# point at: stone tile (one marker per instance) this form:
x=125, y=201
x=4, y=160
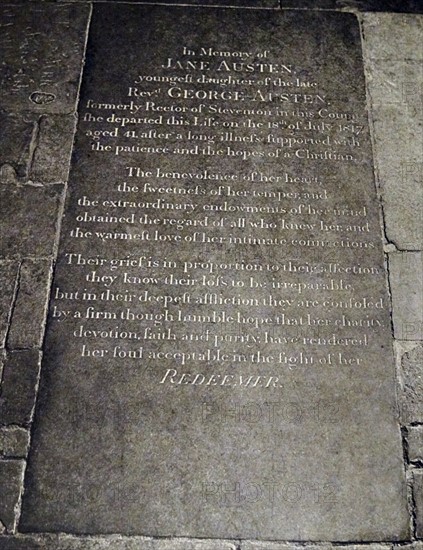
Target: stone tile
x=395, y=89
x=20, y=378
x=8, y=280
x=53, y=149
x=223, y=3
x=391, y=36
x=29, y=219
x=411, y=386
x=65, y=542
x=16, y=139
x=398, y=145
x=406, y=280
x=21, y=543
x=412, y=6
x=415, y=443
x=28, y=319
x=396, y=82
x=14, y=442
x=416, y=545
x=263, y=545
x=418, y=500
x=35, y=148
x=44, y=46
x=11, y=482
x=2, y=362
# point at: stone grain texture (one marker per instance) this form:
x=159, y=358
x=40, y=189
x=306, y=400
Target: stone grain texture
x=63, y=542
x=35, y=148
x=8, y=280
x=411, y=386
x=106, y=435
x=29, y=217
x=392, y=37
x=11, y=478
x=43, y=45
x=415, y=444
x=260, y=545
x=20, y=376
x=413, y=6
x=14, y=442
x=27, y=322
x=406, y=280
x=418, y=500
x=51, y=158
x=394, y=56
x=207, y=3
x=17, y=144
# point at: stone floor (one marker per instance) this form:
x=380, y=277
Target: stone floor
x=43, y=44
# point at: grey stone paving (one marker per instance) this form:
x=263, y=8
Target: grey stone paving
x=30, y=307
x=44, y=43
x=14, y=442
x=394, y=55
x=19, y=384
x=411, y=385
x=406, y=281
x=415, y=444
x=8, y=281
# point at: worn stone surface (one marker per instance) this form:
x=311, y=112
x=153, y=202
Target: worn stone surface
x=35, y=148
x=391, y=36
x=29, y=219
x=398, y=146
x=20, y=376
x=53, y=151
x=28, y=319
x=11, y=478
x=412, y=6
x=261, y=545
x=64, y=542
x=8, y=280
x=14, y=442
x=2, y=360
x=418, y=500
x=415, y=443
x=411, y=386
x=393, y=55
x=110, y=422
x=223, y=3
x=406, y=280
x=17, y=138
x=48, y=32
x=396, y=82
x=395, y=92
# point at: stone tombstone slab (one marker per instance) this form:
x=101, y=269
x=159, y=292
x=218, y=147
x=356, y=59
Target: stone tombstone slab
x=218, y=357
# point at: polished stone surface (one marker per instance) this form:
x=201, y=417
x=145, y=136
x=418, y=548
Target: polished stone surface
x=219, y=400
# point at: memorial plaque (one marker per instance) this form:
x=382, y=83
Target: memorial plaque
x=218, y=357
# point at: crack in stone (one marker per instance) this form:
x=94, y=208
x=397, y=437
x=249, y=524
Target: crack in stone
x=13, y=303
x=405, y=447
x=412, y=506
x=34, y=143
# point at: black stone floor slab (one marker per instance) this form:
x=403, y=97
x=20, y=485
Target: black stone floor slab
x=394, y=6
x=218, y=360
x=220, y=3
